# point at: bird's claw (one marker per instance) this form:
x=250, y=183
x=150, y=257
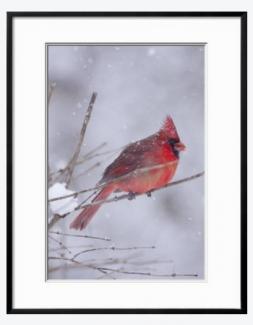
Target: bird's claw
x=131, y=195
x=149, y=193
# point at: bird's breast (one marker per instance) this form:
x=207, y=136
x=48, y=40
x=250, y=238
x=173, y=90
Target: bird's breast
x=149, y=179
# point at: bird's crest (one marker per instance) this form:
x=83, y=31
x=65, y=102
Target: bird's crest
x=169, y=128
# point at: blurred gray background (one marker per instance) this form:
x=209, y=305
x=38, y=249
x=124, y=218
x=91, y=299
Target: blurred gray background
x=137, y=87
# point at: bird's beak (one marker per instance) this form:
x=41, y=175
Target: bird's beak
x=180, y=146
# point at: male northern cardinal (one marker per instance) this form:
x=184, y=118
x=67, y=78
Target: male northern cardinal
x=135, y=171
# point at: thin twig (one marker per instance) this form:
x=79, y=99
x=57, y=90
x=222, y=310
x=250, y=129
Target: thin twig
x=104, y=270
x=83, y=159
x=107, y=274
x=91, y=153
x=171, y=275
x=63, y=258
x=97, y=164
x=80, y=236
x=112, y=261
x=60, y=243
x=86, y=200
x=113, y=248
x=73, y=160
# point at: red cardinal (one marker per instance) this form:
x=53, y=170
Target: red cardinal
x=135, y=170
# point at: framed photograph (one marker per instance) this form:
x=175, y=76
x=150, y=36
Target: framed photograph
x=127, y=162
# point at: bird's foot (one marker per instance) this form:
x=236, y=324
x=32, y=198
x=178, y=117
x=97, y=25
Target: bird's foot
x=149, y=193
x=131, y=195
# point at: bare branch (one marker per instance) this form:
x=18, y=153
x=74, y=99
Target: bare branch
x=63, y=259
x=104, y=270
x=71, y=165
x=91, y=153
x=87, y=156
x=107, y=274
x=80, y=236
x=171, y=275
x=113, y=248
x=86, y=200
x=60, y=243
x=56, y=249
x=97, y=164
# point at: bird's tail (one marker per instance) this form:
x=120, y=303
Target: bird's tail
x=81, y=221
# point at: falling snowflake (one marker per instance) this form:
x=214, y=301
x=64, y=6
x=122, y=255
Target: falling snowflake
x=151, y=51
x=60, y=164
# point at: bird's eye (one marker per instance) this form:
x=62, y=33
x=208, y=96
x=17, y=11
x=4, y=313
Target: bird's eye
x=172, y=143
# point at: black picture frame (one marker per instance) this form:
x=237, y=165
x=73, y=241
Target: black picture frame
x=9, y=288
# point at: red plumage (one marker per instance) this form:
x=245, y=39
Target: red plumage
x=134, y=169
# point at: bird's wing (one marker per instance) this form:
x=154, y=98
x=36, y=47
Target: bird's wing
x=131, y=158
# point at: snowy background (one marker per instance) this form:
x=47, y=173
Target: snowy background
x=137, y=87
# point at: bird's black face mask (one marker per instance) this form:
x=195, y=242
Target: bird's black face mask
x=172, y=143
